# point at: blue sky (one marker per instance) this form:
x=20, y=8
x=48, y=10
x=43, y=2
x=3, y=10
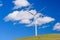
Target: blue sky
x=8, y=31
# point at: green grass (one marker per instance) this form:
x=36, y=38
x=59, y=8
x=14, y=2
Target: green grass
x=43, y=37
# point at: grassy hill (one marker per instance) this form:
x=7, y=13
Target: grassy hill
x=43, y=37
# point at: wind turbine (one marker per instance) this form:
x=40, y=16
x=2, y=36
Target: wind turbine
x=35, y=17
x=36, y=28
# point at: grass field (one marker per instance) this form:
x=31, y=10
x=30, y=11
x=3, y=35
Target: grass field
x=43, y=37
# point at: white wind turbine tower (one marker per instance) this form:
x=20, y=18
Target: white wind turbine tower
x=34, y=19
x=35, y=26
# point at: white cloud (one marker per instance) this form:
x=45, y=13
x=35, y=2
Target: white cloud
x=25, y=17
x=18, y=15
x=20, y=3
x=25, y=21
x=42, y=20
x=22, y=16
x=57, y=27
